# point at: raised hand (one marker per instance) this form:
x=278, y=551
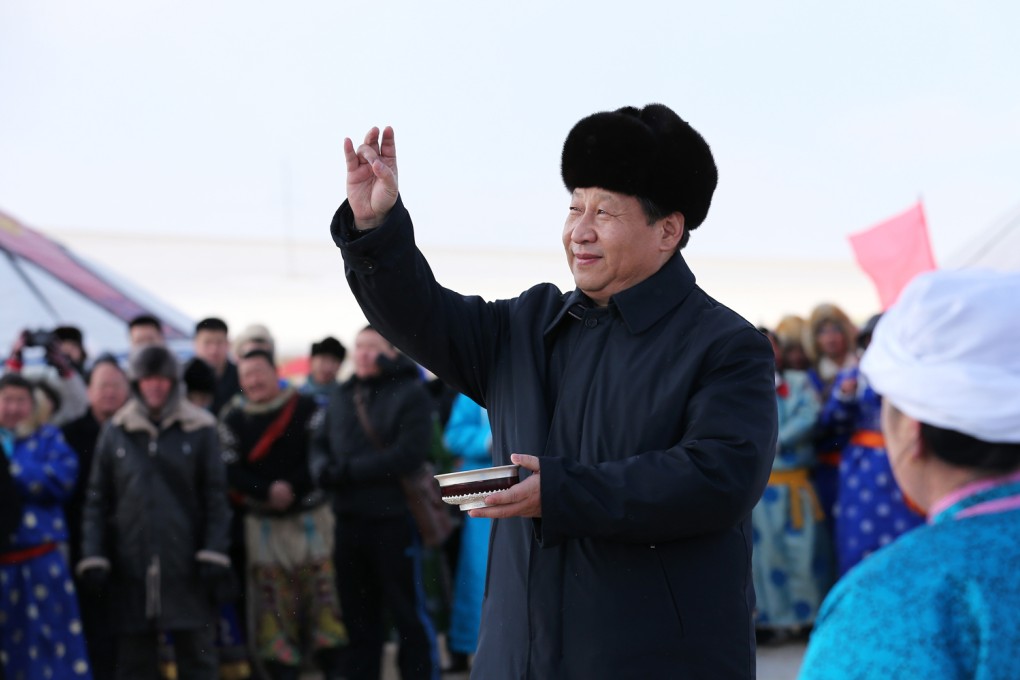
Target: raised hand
x=371, y=177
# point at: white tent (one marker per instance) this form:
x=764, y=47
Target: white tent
x=43, y=285
x=997, y=247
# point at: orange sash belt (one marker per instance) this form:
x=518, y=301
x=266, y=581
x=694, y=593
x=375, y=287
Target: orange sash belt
x=830, y=458
x=868, y=438
x=19, y=556
x=797, y=481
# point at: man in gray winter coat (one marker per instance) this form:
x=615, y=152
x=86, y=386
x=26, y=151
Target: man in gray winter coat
x=156, y=523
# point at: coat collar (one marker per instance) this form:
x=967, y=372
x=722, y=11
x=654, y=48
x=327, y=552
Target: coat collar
x=642, y=305
x=134, y=417
x=274, y=404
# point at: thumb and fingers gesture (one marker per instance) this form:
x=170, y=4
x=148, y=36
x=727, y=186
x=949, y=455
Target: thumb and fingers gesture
x=372, y=177
x=521, y=500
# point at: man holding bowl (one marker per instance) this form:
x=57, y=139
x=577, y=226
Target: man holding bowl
x=643, y=410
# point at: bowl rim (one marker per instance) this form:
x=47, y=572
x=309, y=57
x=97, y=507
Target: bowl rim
x=477, y=475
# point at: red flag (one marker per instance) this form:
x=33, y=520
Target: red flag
x=893, y=252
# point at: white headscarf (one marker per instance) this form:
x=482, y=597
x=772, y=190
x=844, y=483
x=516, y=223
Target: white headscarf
x=948, y=353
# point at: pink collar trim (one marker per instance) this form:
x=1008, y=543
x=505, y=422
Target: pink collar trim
x=991, y=507
x=968, y=490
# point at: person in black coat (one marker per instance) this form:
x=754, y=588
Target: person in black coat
x=212, y=346
x=378, y=428
x=641, y=410
x=289, y=527
x=156, y=523
x=108, y=390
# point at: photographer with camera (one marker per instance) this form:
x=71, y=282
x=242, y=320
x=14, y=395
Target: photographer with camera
x=58, y=372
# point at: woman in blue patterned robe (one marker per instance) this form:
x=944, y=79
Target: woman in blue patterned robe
x=870, y=508
x=790, y=563
x=40, y=627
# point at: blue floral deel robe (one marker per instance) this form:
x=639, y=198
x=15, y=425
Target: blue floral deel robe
x=870, y=509
x=791, y=564
x=40, y=626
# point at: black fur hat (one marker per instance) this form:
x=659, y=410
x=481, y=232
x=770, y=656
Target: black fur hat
x=331, y=346
x=153, y=360
x=649, y=153
x=70, y=333
x=199, y=376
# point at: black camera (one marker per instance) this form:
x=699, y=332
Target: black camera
x=38, y=338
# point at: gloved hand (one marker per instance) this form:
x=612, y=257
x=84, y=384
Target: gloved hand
x=14, y=360
x=58, y=360
x=219, y=581
x=94, y=580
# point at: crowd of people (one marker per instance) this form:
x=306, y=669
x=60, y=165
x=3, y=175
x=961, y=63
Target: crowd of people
x=208, y=519
x=831, y=498
x=688, y=482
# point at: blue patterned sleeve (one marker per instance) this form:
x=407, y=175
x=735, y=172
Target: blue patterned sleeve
x=47, y=469
x=840, y=413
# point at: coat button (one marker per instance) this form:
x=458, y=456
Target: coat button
x=591, y=322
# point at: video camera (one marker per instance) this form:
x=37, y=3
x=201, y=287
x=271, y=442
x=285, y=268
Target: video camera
x=38, y=338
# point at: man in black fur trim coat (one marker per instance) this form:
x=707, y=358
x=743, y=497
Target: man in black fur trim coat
x=156, y=523
x=642, y=411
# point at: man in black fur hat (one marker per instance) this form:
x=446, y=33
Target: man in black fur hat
x=324, y=363
x=642, y=411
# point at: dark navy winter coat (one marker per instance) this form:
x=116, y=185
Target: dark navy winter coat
x=655, y=421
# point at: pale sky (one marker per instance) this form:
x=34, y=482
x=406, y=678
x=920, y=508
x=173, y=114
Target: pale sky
x=227, y=118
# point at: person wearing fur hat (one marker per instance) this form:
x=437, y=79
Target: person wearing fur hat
x=254, y=336
x=199, y=383
x=72, y=345
x=870, y=509
x=943, y=600
x=641, y=411
x=829, y=341
x=327, y=356
x=155, y=531
x=790, y=335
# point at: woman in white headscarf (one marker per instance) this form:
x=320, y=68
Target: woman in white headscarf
x=942, y=601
